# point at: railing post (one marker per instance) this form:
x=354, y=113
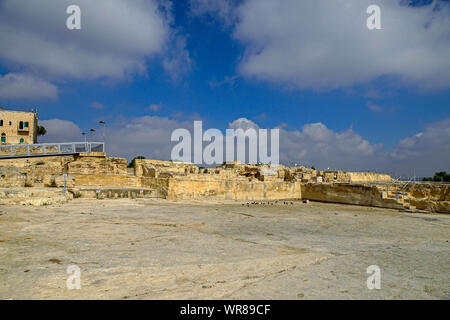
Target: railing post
x=59, y=148
x=43, y=148
x=28, y=149
x=12, y=152
x=73, y=147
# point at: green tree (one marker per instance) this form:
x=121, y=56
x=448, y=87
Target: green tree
x=441, y=176
x=131, y=164
x=41, y=131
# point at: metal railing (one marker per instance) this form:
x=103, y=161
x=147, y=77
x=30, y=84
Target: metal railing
x=49, y=149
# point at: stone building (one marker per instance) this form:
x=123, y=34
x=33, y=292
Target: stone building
x=18, y=127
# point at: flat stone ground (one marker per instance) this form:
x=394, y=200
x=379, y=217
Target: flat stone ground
x=159, y=249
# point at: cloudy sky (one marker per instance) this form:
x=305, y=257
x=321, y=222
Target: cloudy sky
x=343, y=96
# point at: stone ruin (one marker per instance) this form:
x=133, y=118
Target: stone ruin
x=96, y=176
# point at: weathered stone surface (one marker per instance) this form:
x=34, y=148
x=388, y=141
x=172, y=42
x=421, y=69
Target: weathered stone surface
x=33, y=196
x=163, y=249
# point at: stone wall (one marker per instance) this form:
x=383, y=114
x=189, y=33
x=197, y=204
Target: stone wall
x=87, y=164
x=231, y=181
x=32, y=172
x=356, y=194
x=220, y=187
x=428, y=197
x=157, y=168
x=354, y=177
x=82, y=170
x=369, y=177
x=434, y=197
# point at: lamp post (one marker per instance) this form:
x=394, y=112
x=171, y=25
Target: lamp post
x=103, y=124
x=92, y=131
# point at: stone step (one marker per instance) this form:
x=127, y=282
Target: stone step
x=33, y=196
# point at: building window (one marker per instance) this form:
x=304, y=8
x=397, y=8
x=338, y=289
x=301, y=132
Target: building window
x=26, y=124
x=10, y=123
x=20, y=125
x=21, y=140
x=3, y=140
x=1, y=123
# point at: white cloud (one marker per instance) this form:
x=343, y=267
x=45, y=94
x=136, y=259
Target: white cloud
x=178, y=62
x=97, y=105
x=226, y=81
x=375, y=107
x=148, y=136
x=20, y=86
x=425, y=152
x=243, y=123
x=325, y=45
x=116, y=39
x=315, y=144
x=222, y=8
x=60, y=131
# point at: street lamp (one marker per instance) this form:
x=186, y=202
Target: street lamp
x=92, y=131
x=103, y=124
x=84, y=135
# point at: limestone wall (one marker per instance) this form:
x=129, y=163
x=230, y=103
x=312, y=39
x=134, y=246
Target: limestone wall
x=369, y=177
x=354, y=177
x=174, y=180
x=156, y=168
x=83, y=170
x=86, y=164
x=434, y=197
x=335, y=176
x=106, y=180
x=37, y=172
x=428, y=197
x=356, y=194
x=218, y=187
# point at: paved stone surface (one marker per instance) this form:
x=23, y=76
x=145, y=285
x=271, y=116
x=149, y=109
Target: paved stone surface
x=158, y=249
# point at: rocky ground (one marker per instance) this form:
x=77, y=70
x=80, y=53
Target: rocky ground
x=158, y=249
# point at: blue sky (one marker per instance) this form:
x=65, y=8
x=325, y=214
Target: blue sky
x=218, y=77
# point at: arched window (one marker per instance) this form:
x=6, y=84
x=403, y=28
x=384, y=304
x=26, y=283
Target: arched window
x=3, y=140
